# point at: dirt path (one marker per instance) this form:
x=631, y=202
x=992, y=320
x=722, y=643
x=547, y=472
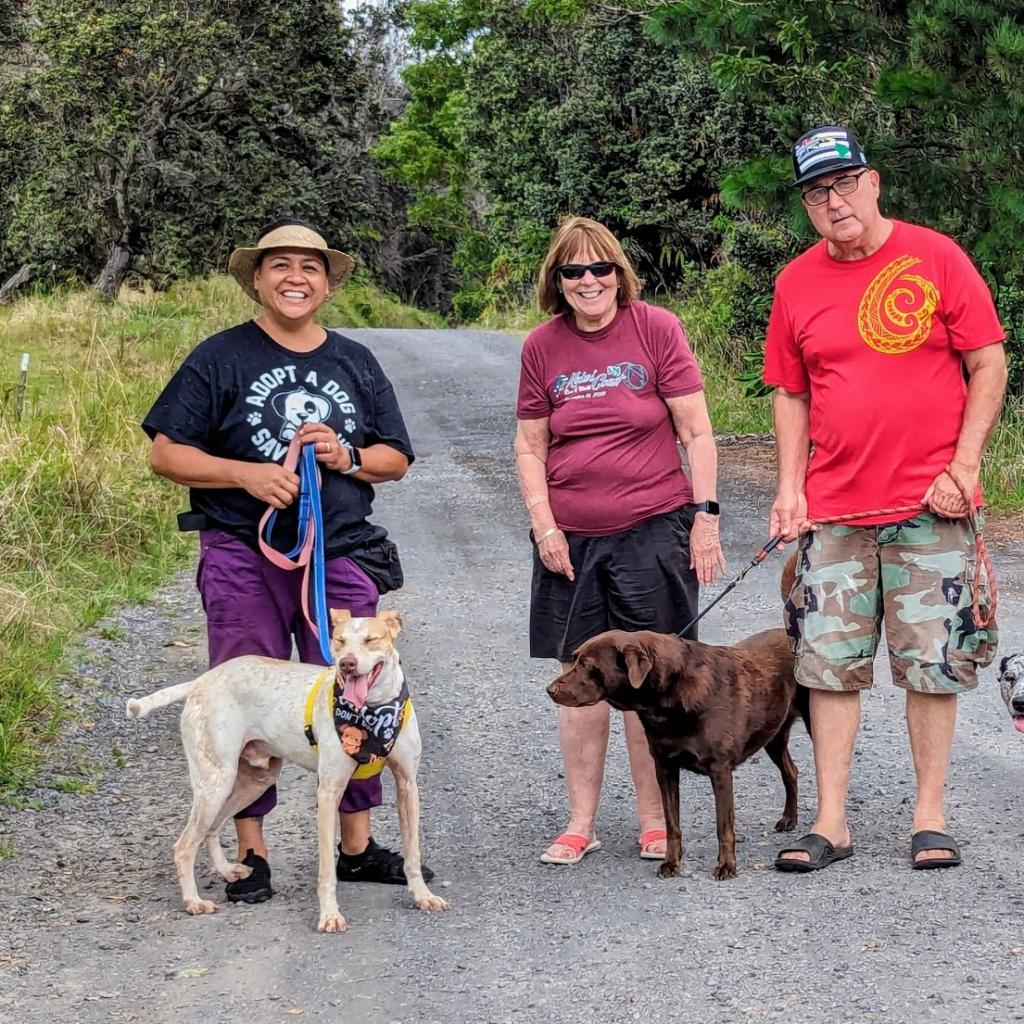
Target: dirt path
x=91, y=930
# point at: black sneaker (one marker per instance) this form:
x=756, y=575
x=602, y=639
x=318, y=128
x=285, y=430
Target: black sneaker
x=255, y=888
x=375, y=864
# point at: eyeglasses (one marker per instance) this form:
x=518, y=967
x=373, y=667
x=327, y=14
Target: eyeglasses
x=843, y=186
x=599, y=268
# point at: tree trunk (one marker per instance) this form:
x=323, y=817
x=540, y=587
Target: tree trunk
x=107, y=285
x=14, y=282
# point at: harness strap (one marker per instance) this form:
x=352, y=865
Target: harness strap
x=314, y=692
x=308, y=552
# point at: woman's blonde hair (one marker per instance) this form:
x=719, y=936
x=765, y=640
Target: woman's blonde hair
x=574, y=235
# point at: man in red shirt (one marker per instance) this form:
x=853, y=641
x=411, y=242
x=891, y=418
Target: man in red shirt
x=870, y=333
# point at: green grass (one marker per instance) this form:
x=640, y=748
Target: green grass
x=80, y=786
x=1003, y=469
x=84, y=525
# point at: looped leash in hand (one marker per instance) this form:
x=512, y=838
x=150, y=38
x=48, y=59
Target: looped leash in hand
x=308, y=552
x=981, y=560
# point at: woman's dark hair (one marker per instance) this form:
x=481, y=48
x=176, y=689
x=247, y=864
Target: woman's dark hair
x=285, y=222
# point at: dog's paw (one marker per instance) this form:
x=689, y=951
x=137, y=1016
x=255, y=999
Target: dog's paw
x=197, y=907
x=668, y=869
x=724, y=871
x=785, y=824
x=235, y=872
x=331, y=922
x=431, y=902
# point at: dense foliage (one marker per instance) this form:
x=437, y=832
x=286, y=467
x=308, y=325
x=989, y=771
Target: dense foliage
x=671, y=121
x=516, y=118
x=933, y=87
x=149, y=136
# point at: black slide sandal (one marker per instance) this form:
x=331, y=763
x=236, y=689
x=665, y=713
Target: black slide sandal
x=818, y=848
x=927, y=839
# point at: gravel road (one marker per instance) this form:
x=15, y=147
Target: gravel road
x=90, y=929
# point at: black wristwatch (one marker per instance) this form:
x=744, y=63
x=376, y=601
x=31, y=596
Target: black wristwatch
x=357, y=462
x=711, y=507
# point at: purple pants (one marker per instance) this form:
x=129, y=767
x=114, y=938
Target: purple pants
x=253, y=607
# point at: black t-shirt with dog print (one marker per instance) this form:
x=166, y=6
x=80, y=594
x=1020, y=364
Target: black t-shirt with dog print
x=240, y=395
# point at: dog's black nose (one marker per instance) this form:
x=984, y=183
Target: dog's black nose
x=1018, y=705
x=347, y=665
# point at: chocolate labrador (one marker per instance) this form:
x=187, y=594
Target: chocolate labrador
x=705, y=709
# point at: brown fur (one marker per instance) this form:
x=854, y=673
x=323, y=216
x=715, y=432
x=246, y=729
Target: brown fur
x=788, y=577
x=705, y=709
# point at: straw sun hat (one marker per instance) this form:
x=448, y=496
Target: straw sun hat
x=242, y=263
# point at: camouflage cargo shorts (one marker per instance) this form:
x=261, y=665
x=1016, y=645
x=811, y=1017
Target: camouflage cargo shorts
x=915, y=577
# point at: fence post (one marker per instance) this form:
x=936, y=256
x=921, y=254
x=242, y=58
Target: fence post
x=19, y=394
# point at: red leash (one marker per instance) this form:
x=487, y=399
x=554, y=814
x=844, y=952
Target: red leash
x=981, y=561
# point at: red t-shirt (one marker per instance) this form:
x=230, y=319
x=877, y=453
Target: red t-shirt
x=612, y=459
x=877, y=344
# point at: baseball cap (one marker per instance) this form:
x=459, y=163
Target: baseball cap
x=830, y=147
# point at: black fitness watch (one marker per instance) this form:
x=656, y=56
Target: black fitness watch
x=357, y=462
x=711, y=507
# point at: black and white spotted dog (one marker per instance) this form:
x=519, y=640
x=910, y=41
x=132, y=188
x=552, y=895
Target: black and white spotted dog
x=1011, y=686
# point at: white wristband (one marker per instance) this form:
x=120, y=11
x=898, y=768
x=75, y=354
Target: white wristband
x=547, y=533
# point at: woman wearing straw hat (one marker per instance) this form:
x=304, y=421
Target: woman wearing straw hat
x=222, y=426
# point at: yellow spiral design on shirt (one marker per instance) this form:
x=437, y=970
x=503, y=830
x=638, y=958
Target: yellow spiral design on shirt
x=895, y=313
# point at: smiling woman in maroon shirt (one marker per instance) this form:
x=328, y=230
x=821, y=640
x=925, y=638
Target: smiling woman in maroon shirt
x=622, y=535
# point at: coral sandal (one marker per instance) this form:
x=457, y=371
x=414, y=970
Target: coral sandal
x=580, y=845
x=648, y=839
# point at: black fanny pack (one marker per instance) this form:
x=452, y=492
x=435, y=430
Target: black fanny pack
x=379, y=560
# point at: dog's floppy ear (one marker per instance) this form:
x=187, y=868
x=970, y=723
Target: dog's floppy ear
x=339, y=616
x=638, y=664
x=1004, y=663
x=393, y=620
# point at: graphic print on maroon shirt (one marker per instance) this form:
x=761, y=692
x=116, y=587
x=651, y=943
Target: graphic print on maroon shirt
x=612, y=460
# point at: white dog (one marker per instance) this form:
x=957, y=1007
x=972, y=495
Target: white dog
x=242, y=719
x=1011, y=686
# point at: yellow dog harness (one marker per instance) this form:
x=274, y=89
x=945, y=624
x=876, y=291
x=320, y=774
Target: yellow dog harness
x=367, y=734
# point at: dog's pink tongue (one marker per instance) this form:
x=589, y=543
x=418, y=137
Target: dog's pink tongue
x=356, y=688
x=1018, y=723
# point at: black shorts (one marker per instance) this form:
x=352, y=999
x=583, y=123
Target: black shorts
x=637, y=579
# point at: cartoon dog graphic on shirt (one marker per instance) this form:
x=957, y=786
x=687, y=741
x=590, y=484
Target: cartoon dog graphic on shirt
x=298, y=407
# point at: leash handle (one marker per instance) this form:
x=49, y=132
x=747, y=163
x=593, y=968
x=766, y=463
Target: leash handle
x=308, y=551
x=766, y=551
x=982, y=561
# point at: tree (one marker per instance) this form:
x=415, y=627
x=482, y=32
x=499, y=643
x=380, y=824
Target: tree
x=164, y=130
x=517, y=117
x=14, y=155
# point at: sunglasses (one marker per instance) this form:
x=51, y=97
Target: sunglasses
x=599, y=268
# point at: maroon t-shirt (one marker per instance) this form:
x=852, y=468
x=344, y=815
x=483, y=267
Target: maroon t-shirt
x=612, y=460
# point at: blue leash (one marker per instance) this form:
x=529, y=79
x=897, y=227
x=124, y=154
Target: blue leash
x=310, y=526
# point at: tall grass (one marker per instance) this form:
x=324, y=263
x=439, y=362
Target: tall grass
x=84, y=525
x=1002, y=474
